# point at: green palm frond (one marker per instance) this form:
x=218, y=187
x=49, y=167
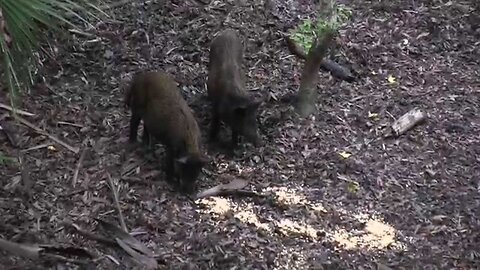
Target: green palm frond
x=23, y=22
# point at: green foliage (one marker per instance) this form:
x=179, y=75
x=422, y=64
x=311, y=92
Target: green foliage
x=308, y=31
x=24, y=21
x=4, y=160
x=304, y=34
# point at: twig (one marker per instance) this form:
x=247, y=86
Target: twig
x=79, y=165
x=88, y=234
x=72, y=193
x=224, y=189
x=81, y=33
x=27, y=183
x=114, y=5
x=40, y=146
x=17, y=111
x=42, y=132
x=117, y=203
x=148, y=262
x=69, y=124
x=239, y=193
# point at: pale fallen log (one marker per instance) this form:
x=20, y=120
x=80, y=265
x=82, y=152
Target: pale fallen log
x=235, y=187
x=408, y=121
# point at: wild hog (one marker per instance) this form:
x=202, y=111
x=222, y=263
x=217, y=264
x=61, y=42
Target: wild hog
x=226, y=90
x=155, y=98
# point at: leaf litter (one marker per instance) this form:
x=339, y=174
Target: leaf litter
x=416, y=196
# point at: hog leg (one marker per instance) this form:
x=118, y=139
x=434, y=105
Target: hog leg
x=169, y=165
x=146, y=136
x=134, y=122
x=215, y=125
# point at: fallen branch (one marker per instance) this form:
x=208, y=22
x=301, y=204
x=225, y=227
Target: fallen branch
x=40, y=146
x=45, y=252
x=234, y=187
x=88, y=234
x=129, y=244
x=25, y=175
x=77, y=169
x=117, y=203
x=69, y=124
x=17, y=111
x=149, y=262
x=42, y=132
x=408, y=121
x=337, y=70
x=80, y=33
x=116, y=232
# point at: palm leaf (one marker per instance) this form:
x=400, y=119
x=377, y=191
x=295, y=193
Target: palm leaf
x=24, y=20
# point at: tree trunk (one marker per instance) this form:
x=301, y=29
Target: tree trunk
x=307, y=93
x=336, y=70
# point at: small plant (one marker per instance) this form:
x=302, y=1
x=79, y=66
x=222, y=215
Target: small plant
x=4, y=160
x=308, y=31
x=304, y=34
x=21, y=25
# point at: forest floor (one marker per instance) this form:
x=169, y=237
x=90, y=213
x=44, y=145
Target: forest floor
x=339, y=194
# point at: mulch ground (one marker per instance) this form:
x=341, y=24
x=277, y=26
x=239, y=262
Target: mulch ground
x=340, y=196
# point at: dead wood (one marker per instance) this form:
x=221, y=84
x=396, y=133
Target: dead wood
x=22, y=250
x=17, y=111
x=45, y=252
x=136, y=249
x=36, y=147
x=25, y=175
x=77, y=169
x=117, y=203
x=69, y=124
x=234, y=187
x=307, y=93
x=338, y=71
x=116, y=232
x=88, y=234
x=7, y=130
x=42, y=132
x=408, y=121
x=150, y=263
